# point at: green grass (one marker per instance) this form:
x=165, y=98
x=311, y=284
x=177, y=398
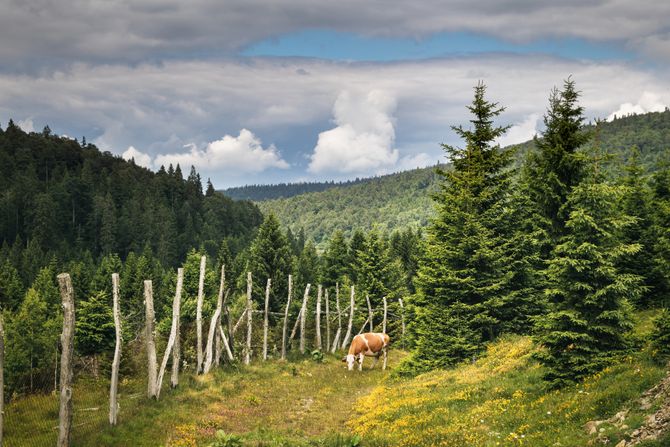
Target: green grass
x=275, y=403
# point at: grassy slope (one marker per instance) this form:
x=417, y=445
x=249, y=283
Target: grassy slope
x=499, y=400
x=274, y=403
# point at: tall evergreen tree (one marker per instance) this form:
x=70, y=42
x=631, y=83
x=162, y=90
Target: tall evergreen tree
x=557, y=166
x=270, y=257
x=588, y=324
x=335, y=260
x=463, y=271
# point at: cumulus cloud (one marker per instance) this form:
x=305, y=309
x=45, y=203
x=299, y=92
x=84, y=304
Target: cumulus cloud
x=26, y=125
x=140, y=158
x=243, y=153
x=521, y=132
x=648, y=102
x=364, y=136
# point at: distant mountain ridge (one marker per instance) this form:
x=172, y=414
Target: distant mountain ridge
x=399, y=200
x=258, y=193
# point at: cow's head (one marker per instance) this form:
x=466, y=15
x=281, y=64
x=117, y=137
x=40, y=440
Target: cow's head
x=350, y=359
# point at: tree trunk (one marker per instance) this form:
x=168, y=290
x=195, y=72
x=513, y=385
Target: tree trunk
x=345, y=342
x=327, y=320
x=213, y=324
x=67, y=342
x=169, y=349
x=367, y=298
x=198, y=314
x=114, y=383
x=288, y=303
x=218, y=346
x=303, y=319
x=149, y=334
x=318, y=318
x=265, y=320
x=247, y=353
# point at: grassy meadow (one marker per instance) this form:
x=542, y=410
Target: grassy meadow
x=499, y=400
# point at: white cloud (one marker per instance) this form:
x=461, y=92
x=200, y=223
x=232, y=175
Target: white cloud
x=420, y=160
x=140, y=158
x=363, y=139
x=521, y=132
x=243, y=153
x=26, y=125
x=648, y=102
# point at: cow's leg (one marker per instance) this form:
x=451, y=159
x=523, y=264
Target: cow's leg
x=374, y=362
x=360, y=361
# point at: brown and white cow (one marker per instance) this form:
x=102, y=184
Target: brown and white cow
x=371, y=344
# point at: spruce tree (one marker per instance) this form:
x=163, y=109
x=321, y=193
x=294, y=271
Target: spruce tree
x=463, y=271
x=335, y=260
x=270, y=257
x=588, y=324
x=94, y=331
x=556, y=166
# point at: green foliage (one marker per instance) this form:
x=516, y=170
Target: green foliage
x=270, y=257
x=464, y=271
x=94, y=328
x=10, y=286
x=335, y=260
x=660, y=337
x=223, y=439
x=590, y=319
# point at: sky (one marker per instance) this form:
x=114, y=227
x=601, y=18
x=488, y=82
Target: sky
x=268, y=91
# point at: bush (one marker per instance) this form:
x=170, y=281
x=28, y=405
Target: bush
x=660, y=338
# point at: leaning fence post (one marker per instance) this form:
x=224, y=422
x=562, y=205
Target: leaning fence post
x=327, y=321
x=303, y=319
x=67, y=343
x=198, y=314
x=385, y=313
x=265, y=321
x=169, y=349
x=114, y=383
x=247, y=353
x=402, y=323
x=283, y=332
x=351, y=319
x=336, y=340
x=318, y=318
x=214, y=322
x=151, y=344
x=367, y=298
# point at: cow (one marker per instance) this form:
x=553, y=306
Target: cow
x=371, y=344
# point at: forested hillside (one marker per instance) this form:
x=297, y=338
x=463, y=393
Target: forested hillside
x=62, y=198
x=258, y=193
x=398, y=200
x=388, y=202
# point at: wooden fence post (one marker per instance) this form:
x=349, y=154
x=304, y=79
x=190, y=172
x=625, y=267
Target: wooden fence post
x=114, y=383
x=402, y=322
x=169, y=349
x=303, y=319
x=198, y=314
x=327, y=321
x=151, y=344
x=212, y=333
x=176, y=347
x=367, y=298
x=67, y=343
x=247, y=353
x=2, y=378
x=351, y=320
x=266, y=320
x=318, y=318
x=385, y=314
x=217, y=338
x=288, y=303
x=336, y=340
